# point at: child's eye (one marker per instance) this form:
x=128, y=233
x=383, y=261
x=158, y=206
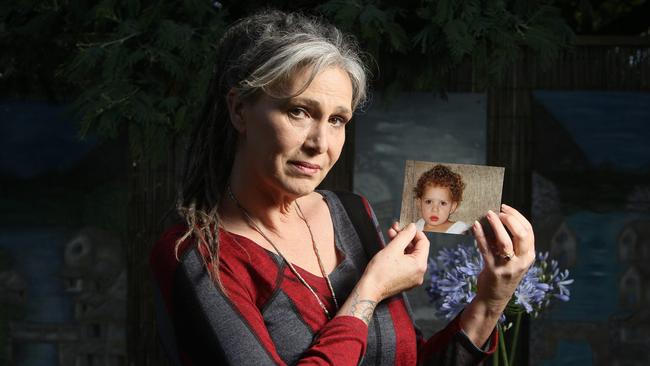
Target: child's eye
x=443, y=203
x=428, y=202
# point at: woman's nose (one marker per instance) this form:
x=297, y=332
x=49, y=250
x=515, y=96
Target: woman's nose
x=317, y=138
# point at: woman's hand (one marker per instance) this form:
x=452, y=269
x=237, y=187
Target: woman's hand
x=506, y=259
x=401, y=264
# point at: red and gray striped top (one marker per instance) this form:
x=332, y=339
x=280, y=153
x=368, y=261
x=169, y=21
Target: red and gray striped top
x=266, y=316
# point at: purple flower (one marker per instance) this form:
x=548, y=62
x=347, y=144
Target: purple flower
x=454, y=272
x=452, y=279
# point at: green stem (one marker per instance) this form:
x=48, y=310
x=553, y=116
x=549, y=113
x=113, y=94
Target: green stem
x=502, y=346
x=515, y=337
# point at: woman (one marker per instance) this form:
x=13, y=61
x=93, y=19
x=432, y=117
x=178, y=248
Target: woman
x=269, y=271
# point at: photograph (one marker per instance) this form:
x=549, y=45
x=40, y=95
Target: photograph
x=448, y=198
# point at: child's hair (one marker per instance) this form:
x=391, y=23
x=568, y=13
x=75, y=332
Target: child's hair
x=441, y=176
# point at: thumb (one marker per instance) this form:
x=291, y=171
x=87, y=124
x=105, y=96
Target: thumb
x=403, y=238
x=393, y=230
x=420, y=245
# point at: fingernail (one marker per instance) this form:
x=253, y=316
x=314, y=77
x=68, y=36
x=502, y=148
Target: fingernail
x=491, y=213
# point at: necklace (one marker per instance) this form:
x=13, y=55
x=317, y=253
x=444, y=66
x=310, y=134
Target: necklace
x=251, y=222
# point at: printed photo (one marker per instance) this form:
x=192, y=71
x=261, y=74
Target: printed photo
x=448, y=198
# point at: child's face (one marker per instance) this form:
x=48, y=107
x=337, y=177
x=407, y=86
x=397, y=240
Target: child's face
x=436, y=205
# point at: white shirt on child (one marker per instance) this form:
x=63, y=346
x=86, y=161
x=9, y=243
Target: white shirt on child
x=458, y=227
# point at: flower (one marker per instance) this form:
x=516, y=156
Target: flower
x=454, y=272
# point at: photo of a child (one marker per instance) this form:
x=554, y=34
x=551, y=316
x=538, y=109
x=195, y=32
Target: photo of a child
x=439, y=192
x=446, y=198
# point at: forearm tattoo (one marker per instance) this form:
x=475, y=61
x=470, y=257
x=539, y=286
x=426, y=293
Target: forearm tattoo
x=362, y=309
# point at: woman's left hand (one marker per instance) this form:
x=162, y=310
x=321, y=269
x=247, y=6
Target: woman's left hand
x=506, y=258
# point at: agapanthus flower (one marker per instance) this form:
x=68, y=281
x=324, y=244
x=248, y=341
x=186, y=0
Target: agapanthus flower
x=454, y=272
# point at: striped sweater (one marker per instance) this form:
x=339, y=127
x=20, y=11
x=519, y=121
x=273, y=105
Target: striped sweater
x=267, y=317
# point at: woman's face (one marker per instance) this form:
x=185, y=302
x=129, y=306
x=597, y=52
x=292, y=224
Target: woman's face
x=436, y=205
x=289, y=145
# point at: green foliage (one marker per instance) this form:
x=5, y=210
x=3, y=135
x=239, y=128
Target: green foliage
x=418, y=47
x=146, y=71
x=142, y=66
x=592, y=15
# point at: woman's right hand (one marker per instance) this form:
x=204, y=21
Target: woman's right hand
x=401, y=264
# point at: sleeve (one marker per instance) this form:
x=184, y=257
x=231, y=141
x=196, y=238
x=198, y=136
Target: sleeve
x=214, y=328
x=449, y=346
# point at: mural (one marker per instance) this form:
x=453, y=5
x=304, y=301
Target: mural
x=591, y=210
x=62, y=272
x=590, y=206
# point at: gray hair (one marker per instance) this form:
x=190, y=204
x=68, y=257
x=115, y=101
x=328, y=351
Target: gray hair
x=288, y=44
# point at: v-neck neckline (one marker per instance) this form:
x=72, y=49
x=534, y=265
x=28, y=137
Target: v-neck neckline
x=303, y=272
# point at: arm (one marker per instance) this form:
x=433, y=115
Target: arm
x=397, y=267
x=500, y=277
x=451, y=345
x=496, y=283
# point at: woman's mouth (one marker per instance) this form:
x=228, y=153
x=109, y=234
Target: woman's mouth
x=305, y=167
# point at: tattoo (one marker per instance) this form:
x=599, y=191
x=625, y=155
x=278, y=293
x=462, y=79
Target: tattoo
x=362, y=309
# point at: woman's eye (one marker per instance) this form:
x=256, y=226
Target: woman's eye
x=338, y=121
x=297, y=113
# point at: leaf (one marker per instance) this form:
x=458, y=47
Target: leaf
x=172, y=35
x=169, y=104
x=444, y=12
x=84, y=62
x=181, y=120
x=172, y=64
x=371, y=14
x=459, y=40
x=106, y=10
x=471, y=11
x=135, y=57
x=133, y=8
x=345, y=12
x=397, y=36
x=114, y=63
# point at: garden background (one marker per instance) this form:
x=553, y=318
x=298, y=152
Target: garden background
x=97, y=99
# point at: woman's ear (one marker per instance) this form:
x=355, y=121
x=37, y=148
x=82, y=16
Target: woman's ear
x=236, y=110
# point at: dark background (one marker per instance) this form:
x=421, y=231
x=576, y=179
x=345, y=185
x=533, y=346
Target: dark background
x=97, y=100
